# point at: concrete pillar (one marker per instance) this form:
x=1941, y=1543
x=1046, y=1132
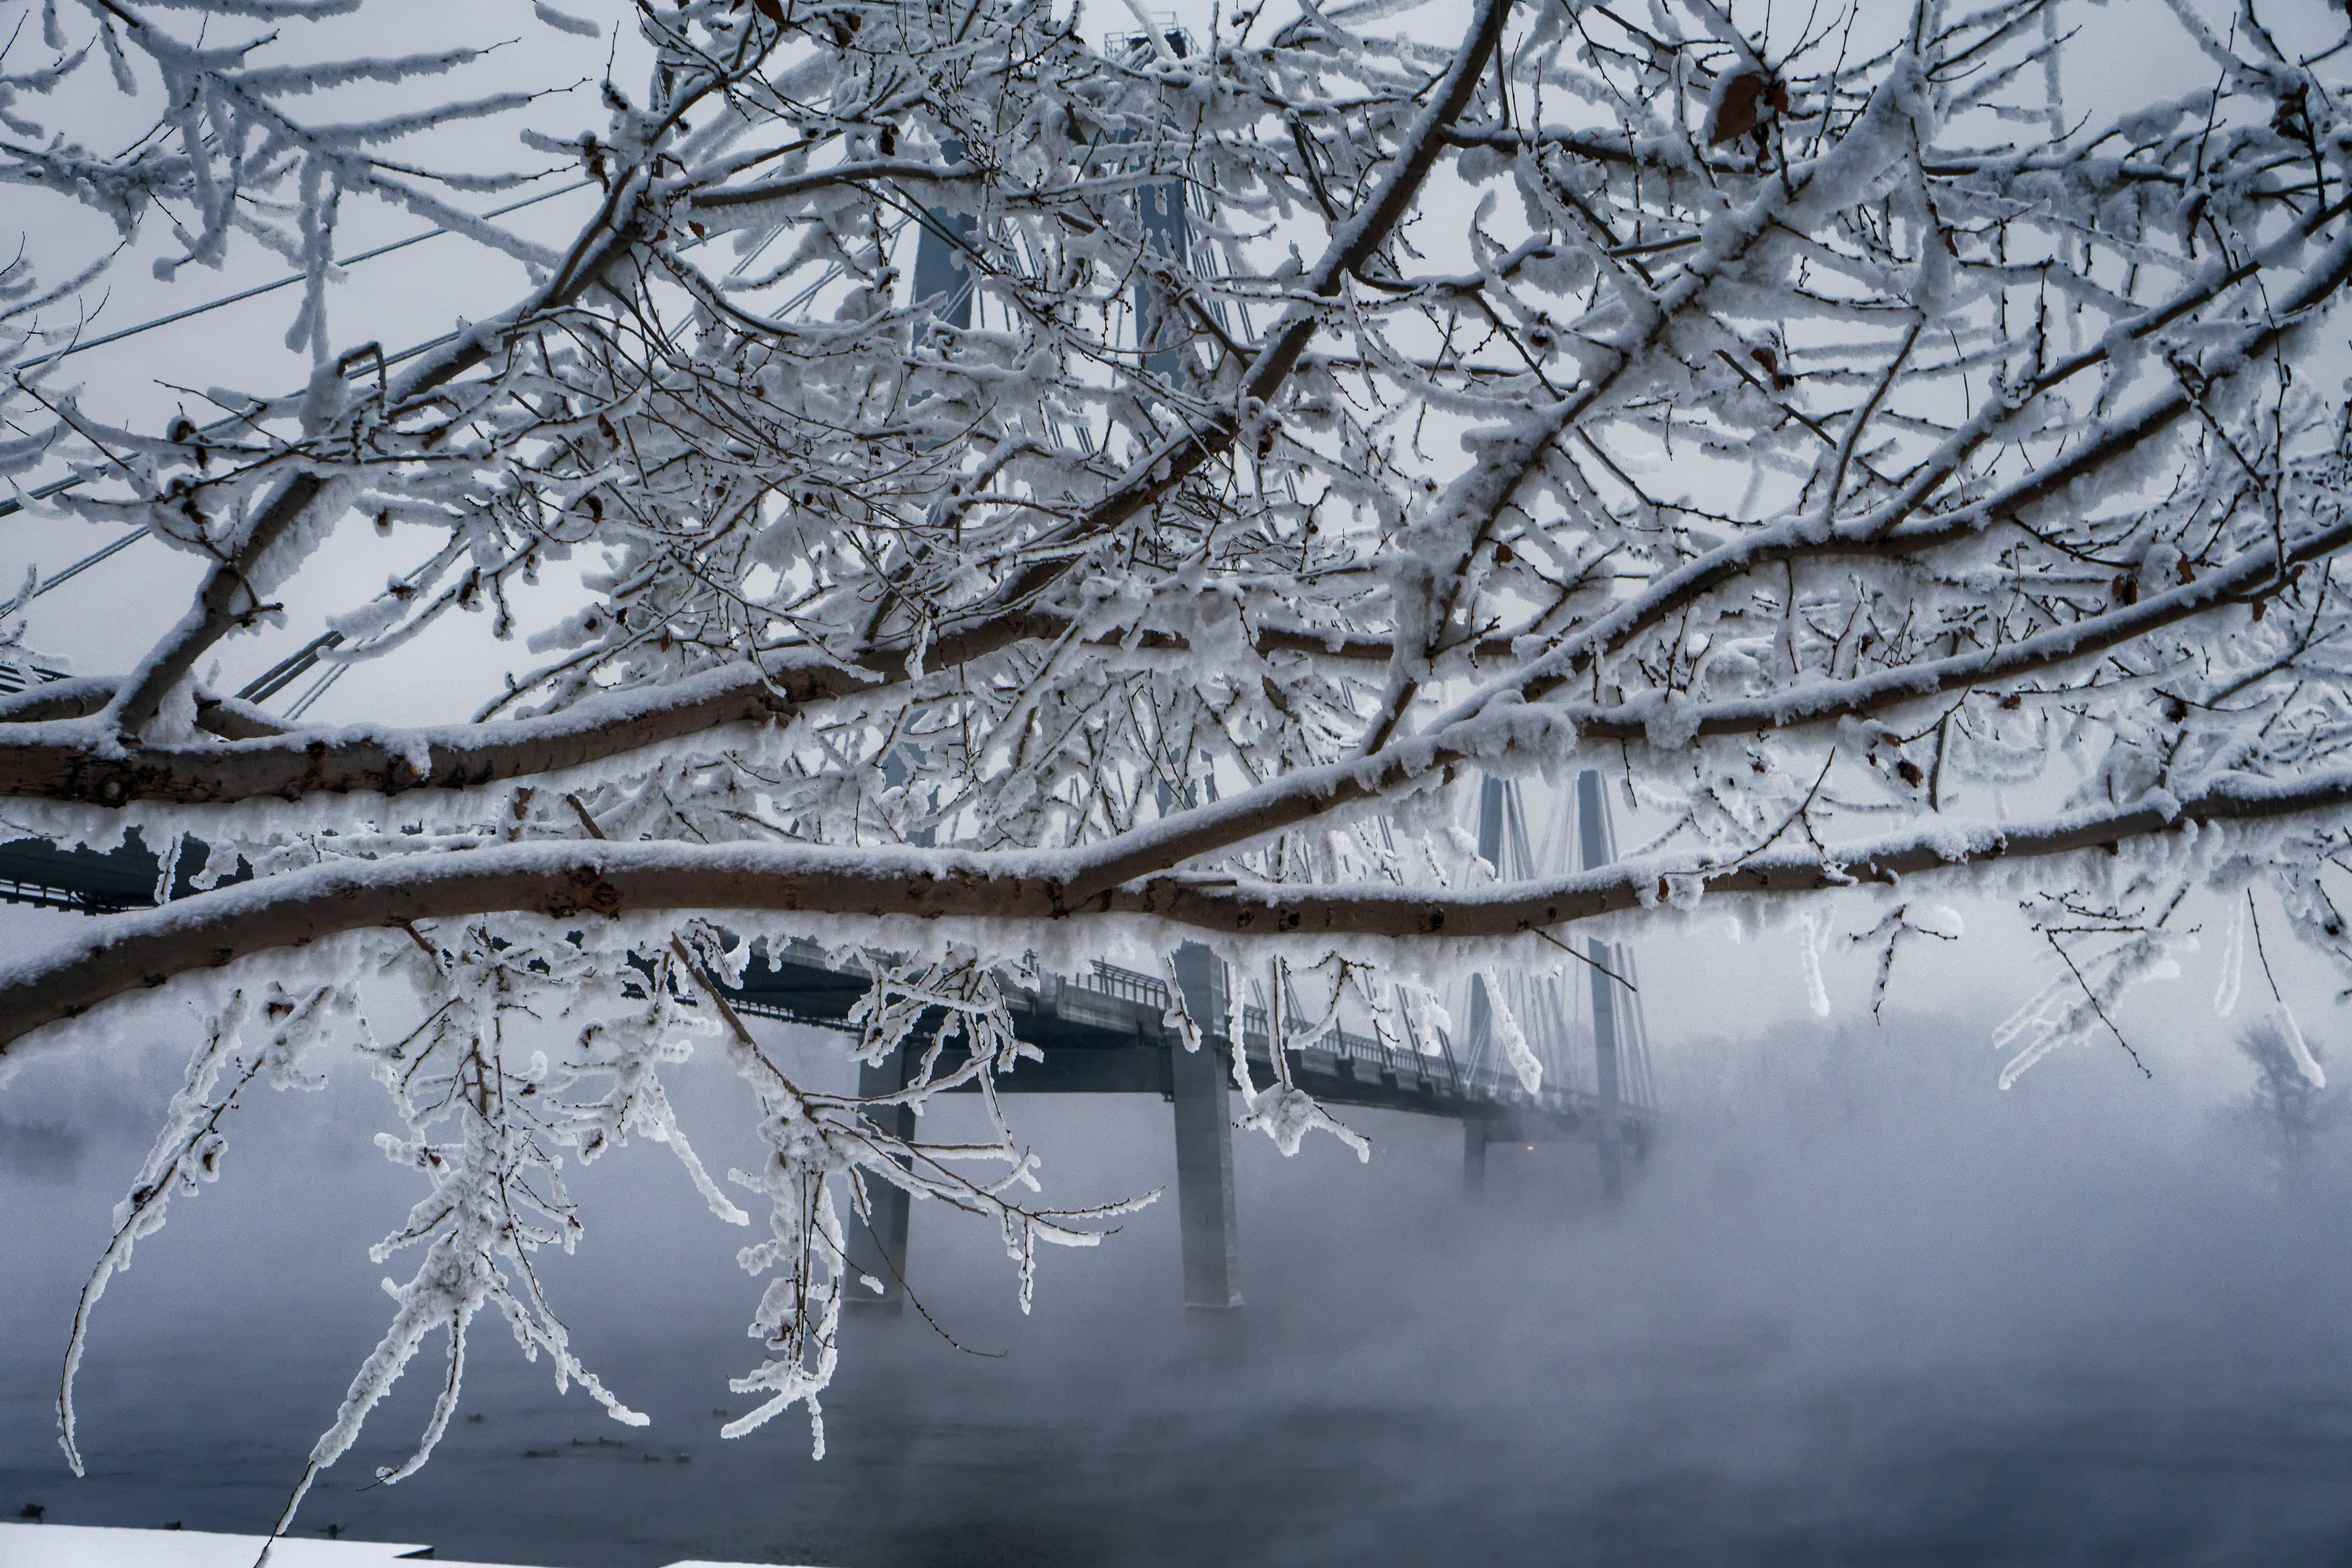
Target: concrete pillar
x=1491, y=807
x=1605, y=1033
x=879, y=1246
x=1592, y=823
x=1205, y=1138
x=1162, y=328
x=1491, y=803
x=1474, y=1157
x=943, y=252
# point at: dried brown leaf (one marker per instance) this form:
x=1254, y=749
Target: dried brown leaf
x=1743, y=102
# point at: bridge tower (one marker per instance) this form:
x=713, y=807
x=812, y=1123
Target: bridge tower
x=1620, y=1090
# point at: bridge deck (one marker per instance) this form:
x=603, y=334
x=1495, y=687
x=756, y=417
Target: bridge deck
x=1102, y=1033
x=1106, y=1033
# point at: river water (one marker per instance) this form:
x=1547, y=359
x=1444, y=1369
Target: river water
x=1859, y=1308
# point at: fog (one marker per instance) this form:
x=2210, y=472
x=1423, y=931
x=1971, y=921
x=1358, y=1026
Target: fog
x=1857, y=1306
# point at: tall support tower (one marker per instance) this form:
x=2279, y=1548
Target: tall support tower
x=1496, y=796
x=943, y=255
x=1619, y=1074
x=1612, y=1002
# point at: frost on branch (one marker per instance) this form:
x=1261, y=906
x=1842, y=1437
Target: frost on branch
x=821, y=1145
x=1940, y=920
x=534, y=1043
x=2080, y=1004
x=485, y=1115
x=267, y=1037
x=1281, y=1109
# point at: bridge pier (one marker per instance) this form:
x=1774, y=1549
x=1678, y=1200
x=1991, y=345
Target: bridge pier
x=1205, y=1138
x=1593, y=826
x=1604, y=1071
x=878, y=1248
x=1105, y=1037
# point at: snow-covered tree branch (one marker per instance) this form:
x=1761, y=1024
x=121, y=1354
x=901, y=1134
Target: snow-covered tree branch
x=963, y=476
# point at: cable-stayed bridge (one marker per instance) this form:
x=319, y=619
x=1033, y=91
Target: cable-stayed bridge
x=1107, y=1031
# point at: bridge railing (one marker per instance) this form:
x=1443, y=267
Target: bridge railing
x=1127, y=985
x=19, y=677
x=1412, y=1069
x=1104, y=997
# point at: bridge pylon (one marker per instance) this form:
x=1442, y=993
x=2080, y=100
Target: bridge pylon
x=877, y=1239
x=1619, y=1098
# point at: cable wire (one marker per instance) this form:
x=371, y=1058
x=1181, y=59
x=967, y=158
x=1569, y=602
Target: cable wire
x=285, y=283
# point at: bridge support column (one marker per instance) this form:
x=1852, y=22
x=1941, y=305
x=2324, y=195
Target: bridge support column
x=879, y=1247
x=1592, y=823
x=1205, y=1138
x=1604, y=1070
x=1493, y=807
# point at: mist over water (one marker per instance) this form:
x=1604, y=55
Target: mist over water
x=1859, y=1307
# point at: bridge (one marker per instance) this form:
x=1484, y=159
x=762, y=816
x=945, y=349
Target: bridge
x=1105, y=1031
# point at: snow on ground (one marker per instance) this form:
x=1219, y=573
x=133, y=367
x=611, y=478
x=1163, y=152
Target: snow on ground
x=83, y=1546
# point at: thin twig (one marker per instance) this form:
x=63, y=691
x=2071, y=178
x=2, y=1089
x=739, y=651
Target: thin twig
x=1595, y=963
x=586, y=821
x=2094, y=997
x=2256, y=916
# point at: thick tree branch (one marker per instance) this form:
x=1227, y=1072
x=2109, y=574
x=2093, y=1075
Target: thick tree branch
x=44, y=756
x=126, y=952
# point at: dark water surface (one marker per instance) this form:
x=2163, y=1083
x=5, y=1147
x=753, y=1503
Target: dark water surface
x=1860, y=1309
